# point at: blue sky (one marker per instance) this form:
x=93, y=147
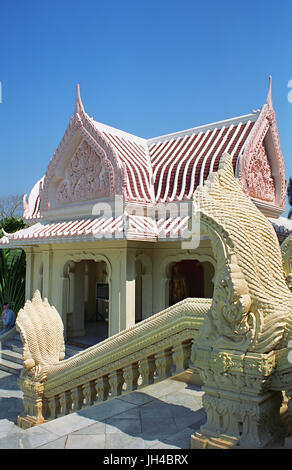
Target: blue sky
x=147, y=67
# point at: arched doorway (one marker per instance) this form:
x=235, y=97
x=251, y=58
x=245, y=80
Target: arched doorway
x=86, y=301
x=190, y=278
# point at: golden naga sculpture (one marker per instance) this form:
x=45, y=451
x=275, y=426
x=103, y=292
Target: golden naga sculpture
x=241, y=351
x=235, y=336
x=286, y=249
x=54, y=387
x=42, y=333
x=252, y=305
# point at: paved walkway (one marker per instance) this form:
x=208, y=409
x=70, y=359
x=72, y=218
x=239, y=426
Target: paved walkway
x=160, y=416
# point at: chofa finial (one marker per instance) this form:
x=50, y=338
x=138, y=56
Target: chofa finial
x=269, y=97
x=78, y=102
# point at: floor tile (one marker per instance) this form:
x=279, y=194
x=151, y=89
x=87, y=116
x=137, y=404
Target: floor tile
x=96, y=429
x=137, y=398
x=57, y=444
x=121, y=440
x=35, y=437
x=85, y=441
x=181, y=439
x=106, y=410
x=129, y=426
x=67, y=424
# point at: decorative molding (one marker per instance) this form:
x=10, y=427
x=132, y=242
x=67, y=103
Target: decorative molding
x=81, y=128
x=85, y=178
x=260, y=182
x=254, y=150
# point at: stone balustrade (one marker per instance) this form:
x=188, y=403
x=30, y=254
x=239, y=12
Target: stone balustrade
x=157, y=367
x=153, y=350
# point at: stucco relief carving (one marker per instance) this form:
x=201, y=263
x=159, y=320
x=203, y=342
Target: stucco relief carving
x=260, y=181
x=253, y=152
x=85, y=177
x=81, y=125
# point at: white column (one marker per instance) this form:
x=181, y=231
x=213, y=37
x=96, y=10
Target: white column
x=65, y=304
x=122, y=289
x=37, y=281
x=115, y=295
x=147, y=307
x=128, y=297
x=47, y=270
x=29, y=273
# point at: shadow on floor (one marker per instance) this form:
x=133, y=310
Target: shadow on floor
x=147, y=420
x=11, y=408
x=96, y=332
x=8, y=381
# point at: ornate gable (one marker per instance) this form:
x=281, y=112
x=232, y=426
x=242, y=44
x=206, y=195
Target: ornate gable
x=260, y=182
x=261, y=168
x=84, y=168
x=85, y=177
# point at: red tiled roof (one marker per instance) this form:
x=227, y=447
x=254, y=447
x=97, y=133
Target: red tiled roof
x=128, y=226
x=181, y=164
x=170, y=167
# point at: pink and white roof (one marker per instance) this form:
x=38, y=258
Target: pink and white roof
x=129, y=227
x=150, y=172
x=168, y=168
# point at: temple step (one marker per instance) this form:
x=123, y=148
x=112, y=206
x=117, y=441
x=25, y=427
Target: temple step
x=12, y=356
x=10, y=366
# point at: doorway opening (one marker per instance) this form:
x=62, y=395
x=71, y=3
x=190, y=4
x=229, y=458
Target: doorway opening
x=87, y=302
x=190, y=278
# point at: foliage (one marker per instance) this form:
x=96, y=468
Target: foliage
x=11, y=225
x=12, y=278
x=12, y=268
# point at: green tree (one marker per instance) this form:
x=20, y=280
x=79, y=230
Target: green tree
x=12, y=268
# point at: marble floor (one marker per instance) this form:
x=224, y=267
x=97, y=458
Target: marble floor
x=160, y=416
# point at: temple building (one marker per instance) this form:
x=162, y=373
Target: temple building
x=106, y=242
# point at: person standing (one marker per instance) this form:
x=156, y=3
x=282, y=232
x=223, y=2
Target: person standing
x=9, y=318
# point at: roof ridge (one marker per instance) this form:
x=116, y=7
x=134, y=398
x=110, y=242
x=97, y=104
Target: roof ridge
x=235, y=120
x=143, y=141
x=119, y=132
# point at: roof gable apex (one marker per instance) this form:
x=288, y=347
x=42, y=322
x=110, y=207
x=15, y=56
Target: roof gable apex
x=263, y=146
x=80, y=132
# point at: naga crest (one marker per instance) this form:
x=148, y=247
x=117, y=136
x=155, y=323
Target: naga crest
x=41, y=329
x=252, y=305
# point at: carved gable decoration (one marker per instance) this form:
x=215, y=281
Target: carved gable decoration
x=261, y=169
x=85, y=177
x=260, y=181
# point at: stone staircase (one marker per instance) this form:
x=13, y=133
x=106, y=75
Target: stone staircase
x=11, y=354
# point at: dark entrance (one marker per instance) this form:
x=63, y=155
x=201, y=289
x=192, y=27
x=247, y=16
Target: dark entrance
x=187, y=280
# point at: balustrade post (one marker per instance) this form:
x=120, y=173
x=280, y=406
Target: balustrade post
x=181, y=355
x=65, y=403
x=33, y=404
x=131, y=375
x=163, y=362
x=89, y=393
x=241, y=408
x=77, y=398
x=116, y=381
x=147, y=368
x=54, y=407
x=102, y=388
